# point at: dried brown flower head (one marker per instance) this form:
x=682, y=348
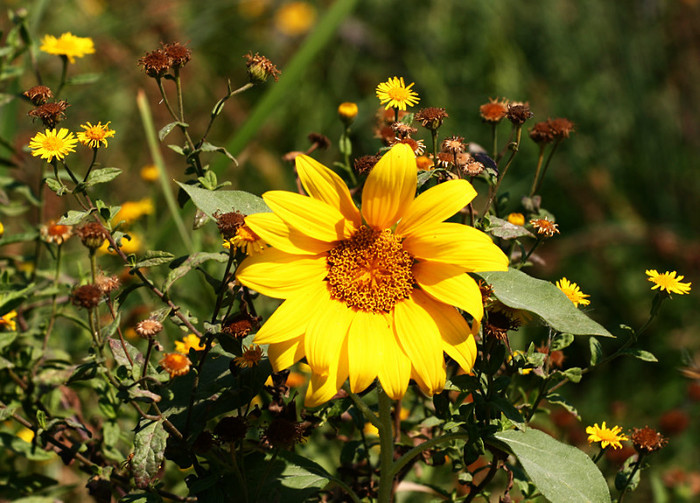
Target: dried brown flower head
x=92, y=235
x=178, y=53
x=561, y=128
x=498, y=324
x=518, y=113
x=38, y=95
x=542, y=133
x=431, y=118
x=260, y=68
x=231, y=429
x=545, y=226
x=283, y=433
x=107, y=283
x=55, y=233
x=445, y=160
x=453, y=145
x=175, y=364
x=386, y=134
x=424, y=163
x=319, y=141
x=473, y=167
x=647, y=440
x=156, y=63
x=250, y=358
x=148, y=328
x=50, y=113
x=229, y=223
x=494, y=111
x=486, y=291
x=87, y=296
x=417, y=146
x=403, y=130
x=240, y=325
x=363, y=165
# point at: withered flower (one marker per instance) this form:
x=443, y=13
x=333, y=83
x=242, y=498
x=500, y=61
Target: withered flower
x=473, y=167
x=545, y=226
x=319, y=141
x=50, y=113
x=403, y=130
x=647, y=440
x=283, y=433
x=87, y=296
x=107, y=283
x=494, y=111
x=260, y=68
x=92, y=235
x=148, y=328
x=178, y=53
x=518, y=113
x=561, y=128
x=240, y=325
x=156, y=63
x=363, y=165
x=229, y=223
x=542, y=133
x=38, y=95
x=453, y=145
x=417, y=146
x=431, y=118
x=498, y=324
x=445, y=160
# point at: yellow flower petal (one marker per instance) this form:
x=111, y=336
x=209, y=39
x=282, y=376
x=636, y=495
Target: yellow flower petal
x=457, y=338
x=291, y=318
x=278, y=234
x=261, y=272
x=323, y=387
x=283, y=355
x=420, y=340
x=326, y=333
x=435, y=205
x=449, y=284
x=310, y=216
x=322, y=184
x=363, y=362
x=457, y=244
x=395, y=370
x=390, y=187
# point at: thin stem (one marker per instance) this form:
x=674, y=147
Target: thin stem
x=362, y=406
x=600, y=454
x=540, y=395
x=474, y=491
x=64, y=72
x=494, y=139
x=386, y=453
x=537, y=171
x=92, y=164
x=634, y=471
x=546, y=164
x=217, y=109
x=514, y=147
x=428, y=444
x=148, y=357
x=435, y=144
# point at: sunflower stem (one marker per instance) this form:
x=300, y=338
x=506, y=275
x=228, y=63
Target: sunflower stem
x=386, y=443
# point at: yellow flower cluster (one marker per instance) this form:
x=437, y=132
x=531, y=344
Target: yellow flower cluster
x=67, y=45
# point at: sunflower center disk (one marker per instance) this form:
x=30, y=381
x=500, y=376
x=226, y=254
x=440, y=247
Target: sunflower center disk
x=370, y=271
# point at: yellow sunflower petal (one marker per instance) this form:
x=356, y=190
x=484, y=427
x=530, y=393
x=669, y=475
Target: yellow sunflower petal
x=457, y=244
x=326, y=333
x=435, y=205
x=419, y=337
x=277, y=234
x=283, y=355
x=291, y=318
x=323, y=387
x=449, y=284
x=310, y=216
x=262, y=271
x=364, y=362
x=323, y=184
x=423, y=385
x=390, y=187
x=395, y=370
x=457, y=338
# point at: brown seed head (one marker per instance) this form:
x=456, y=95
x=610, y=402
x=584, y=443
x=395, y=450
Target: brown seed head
x=486, y=291
x=561, y=128
x=518, y=113
x=148, y=328
x=283, y=433
x=50, y=113
x=240, y=325
x=647, y=440
x=403, y=130
x=92, y=235
x=87, y=296
x=229, y=223
x=542, y=133
x=431, y=118
x=453, y=145
x=363, y=165
x=545, y=227
x=473, y=167
x=319, y=140
x=445, y=160
x=178, y=53
x=260, y=68
x=38, y=95
x=156, y=63
x=494, y=111
x=231, y=429
x=417, y=146
x=498, y=324
x=107, y=283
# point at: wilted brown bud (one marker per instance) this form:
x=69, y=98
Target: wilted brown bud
x=319, y=141
x=156, y=63
x=518, y=113
x=647, y=440
x=229, y=223
x=453, y=145
x=431, y=118
x=283, y=433
x=38, y=95
x=240, y=325
x=50, y=113
x=541, y=133
x=92, y=235
x=178, y=54
x=107, y=283
x=473, y=167
x=260, y=68
x=561, y=128
x=148, y=328
x=87, y=296
x=403, y=130
x=363, y=165
x=231, y=429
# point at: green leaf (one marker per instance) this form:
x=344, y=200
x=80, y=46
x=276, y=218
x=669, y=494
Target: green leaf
x=141, y=498
x=520, y=291
x=562, y=341
x=25, y=449
x=208, y=147
x=153, y=258
x=505, y=230
x=560, y=472
x=6, y=412
x=557, y=399
x=192, y=262
x=73, y=217
x=224, y=201
x=103, y=175
x=596, y=351
x=165, y=130
x=149, y=446
x=56, y=186
x=640, y=354
x=574, y=374
x=19, y=238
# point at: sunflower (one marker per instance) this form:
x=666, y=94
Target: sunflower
x=369, y=294
x=67, y=45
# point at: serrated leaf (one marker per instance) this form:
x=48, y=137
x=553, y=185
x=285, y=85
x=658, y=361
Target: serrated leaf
x=190, y=263
x=165, y=130
x=639, y=354
x=149, y=447
x=73, y=217
x=103, y=175
x=560, y=472
x=153, y=258
x=224, y=201
x=518, y=290
x=505, y=230
x=596, y=351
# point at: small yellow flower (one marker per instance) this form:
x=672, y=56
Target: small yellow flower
x=668, y=281
x=149, y=173
x=95, y=136
x=188, y=342
x=347, y=111
x=2, y=230
x=55, y=233
x=250, y=358
x=8, y=320
x=424, y=163
x=606, y=436
x=53, y=144
x=26, y=434
x=67, y=45
x=131, y=211
x=128, y=246
x=395, y=93
x=246, y=240
x=295, y=18
x=573, y=291
x=516, y=219
x=175, y=364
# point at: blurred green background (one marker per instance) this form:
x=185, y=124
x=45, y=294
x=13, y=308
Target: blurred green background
x=624, y=188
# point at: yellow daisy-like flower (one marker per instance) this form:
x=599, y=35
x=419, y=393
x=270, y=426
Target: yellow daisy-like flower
x=295, y=18
x=67, y=45
x=247, y=240
x=606, y=436
x=8, y=320
x=149, y=173
x=668, y=281
x=516, y=219
x=53, y=144
x=396, y=94
x=175, y=364
x=95, y=136
x=250, y=358
x=188, y=342
x=573, y=291
x=369, y=294
x=131, y=211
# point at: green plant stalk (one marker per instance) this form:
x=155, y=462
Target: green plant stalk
x=494, y=139
x=428, y=444
x=217, y=110
x=386, y=445
x=151, y=138
x=514, y=147
x=64, y=72
x=434, y=135
x=636, y=468
x=598, y=456
x=537, y=170
x=546, y=164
